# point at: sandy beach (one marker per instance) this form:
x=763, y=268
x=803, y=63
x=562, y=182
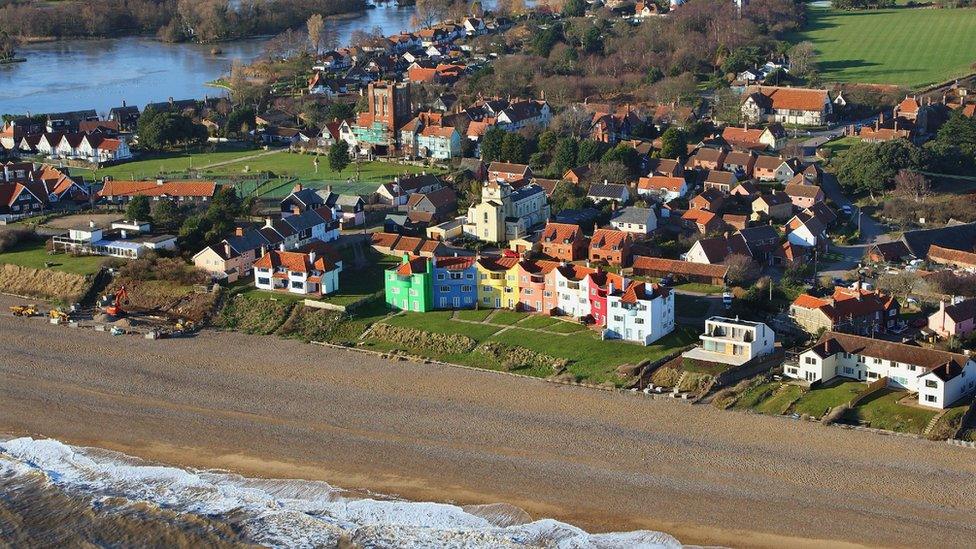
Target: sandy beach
x=601, y=460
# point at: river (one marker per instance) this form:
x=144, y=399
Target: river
x=100, y=74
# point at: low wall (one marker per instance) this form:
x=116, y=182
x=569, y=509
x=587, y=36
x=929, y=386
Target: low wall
x=872, y=388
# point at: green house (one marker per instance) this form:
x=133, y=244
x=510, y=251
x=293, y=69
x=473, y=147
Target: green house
x=409, y=286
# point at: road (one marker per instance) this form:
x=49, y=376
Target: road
x=603, y=460
x=872, y=232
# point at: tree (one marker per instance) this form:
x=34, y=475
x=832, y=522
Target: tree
x=727, y=107
x=564, y=156
x=428, y=12
x=240, y=120
x=339, y=156
x=674, y=143
x=912, y=185
x=624, y=154
x=314, y=25
x=803, y=58
x=574, y=8
x=491, y=144
x=167, y=215
x=588, y=151
x=871, y=167
x=901, y=283
x=612, y=171
x=8, y=45
x=138, y=208
x=742, y=269
x=515, y=148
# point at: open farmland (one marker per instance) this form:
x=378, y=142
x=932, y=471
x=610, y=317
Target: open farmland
x=901, y=46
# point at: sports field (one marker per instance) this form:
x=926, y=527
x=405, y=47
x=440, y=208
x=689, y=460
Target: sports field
x=902, y=46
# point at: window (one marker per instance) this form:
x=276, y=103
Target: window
x=872, y=375
x=911, y=367
x=931, y=384
x=638, y=321
x=930, y=398
x=618, y=318
x=810, y=360
x=440, y=276
x=877, y=361
x=445, y=289
x=297, y=285
x=264, y=281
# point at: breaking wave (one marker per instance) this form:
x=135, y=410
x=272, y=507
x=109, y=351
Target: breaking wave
x=45, y=484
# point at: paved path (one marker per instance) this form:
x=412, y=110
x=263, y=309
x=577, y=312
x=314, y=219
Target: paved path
x=241, y=159
x=604, y=460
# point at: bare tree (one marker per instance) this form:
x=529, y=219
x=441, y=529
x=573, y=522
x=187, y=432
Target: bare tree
x=742, y=268
x=429, y=12
x=913, y=185
x=803, y=58
x=901, y=283
x=315, y=24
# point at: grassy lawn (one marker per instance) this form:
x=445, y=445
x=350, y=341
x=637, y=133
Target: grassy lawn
x=539, y=322
x=254, y=293
x=354, y=285
x=780, y=401
x=35, y=256
x=908, y=47
x=151, y=165
x=816, y=401
x=474, y=315
x=563, y=327
x=751, y=397
x=700, y=288
x=507, y=318
x=837, y=146
x=591, y=358
x=882, y=411
x=690, y=306
x=701, y=367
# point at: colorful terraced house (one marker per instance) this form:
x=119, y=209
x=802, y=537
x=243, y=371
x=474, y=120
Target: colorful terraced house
x=408, y=286
x=455, y=284
x=498, y=282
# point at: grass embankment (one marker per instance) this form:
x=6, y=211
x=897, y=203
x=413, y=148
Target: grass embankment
x=901, y=46
x=587, y=357
x=882, y=411
x=26, y=268
x=42, y=283
x=815, y=403
x=35, y=256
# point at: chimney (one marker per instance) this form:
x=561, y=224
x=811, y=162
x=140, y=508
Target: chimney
x=91, y=224
x=160, y=181
x=123, y=103
x=267, y=222
x=227, y=251
x=124, y=234
x=311, y=256
x=238, y=231
x=281, y=246
x=296, y=188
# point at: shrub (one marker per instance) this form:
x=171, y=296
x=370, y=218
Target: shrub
x=419, y=339
x=253, y=316
x=310, y=324
x=835, y=414
x=42, y=283
x=154, y=267
x=10, y=239
x=665, y=377
x=513, y=357
x=694, y=383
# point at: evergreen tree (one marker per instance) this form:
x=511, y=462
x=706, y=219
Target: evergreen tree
x=674, y=144
x=138, y=209
x=491, y=144
x=339, y=156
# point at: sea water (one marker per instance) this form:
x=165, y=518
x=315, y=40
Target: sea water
x=54, y=494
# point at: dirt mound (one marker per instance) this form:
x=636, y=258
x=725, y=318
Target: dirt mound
x=165, y=297
x=42, y=283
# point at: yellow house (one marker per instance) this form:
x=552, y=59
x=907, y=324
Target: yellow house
x=498, y=282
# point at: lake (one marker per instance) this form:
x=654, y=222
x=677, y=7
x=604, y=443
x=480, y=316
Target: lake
x=99, y=74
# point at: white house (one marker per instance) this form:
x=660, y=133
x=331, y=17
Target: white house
x=572, y=290
x=439, y=142
x=810, y=232
x=733, y=341
x=635, y=220
x=663, y=187
x=940, y=378
x=642, y=312
x=127, y=240
x=313, y=271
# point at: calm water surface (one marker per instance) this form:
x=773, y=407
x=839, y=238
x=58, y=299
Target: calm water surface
x=100, y=74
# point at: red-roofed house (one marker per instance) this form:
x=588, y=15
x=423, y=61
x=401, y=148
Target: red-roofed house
x=612, y=246
x=641, y=312
x=312, y=271
x=563, y=241
x=800, y=106
x=848, y=310
x=664, y=187
x=116, y=191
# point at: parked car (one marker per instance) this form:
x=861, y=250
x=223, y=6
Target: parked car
x=847, y=209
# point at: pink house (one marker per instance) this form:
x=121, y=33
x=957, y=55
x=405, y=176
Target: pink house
x=804, y=196
x=954, y=320
x=602, y=283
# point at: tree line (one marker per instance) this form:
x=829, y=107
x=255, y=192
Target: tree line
x=170, y=20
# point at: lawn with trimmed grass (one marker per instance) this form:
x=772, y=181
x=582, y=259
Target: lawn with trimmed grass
x=506, y=318
x=752, y=396
x=816, y=401
x=539, y=322
x=699, y=288
x=591, y=359
x=882, y=411
x=779, y=402
x=35, y=256
x=474, y=315
x=902, y=46
x=563, y=327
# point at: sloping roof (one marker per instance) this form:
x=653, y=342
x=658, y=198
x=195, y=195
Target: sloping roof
x=946, y=255
x=721, y=177
x=765, y=162
x=456, y=263
x=802, y=99
x=734, y=134
x=656, y=182
x=959, y=236
x=609, y=238
x=759, y=232
x=738, y=158
x=891, y=251
x=774, y=198
x=948, y=364
x=642, y=291
x=155, y=188
x=686, y=268
x=507, y=167
x=497, y=263
x=822, y=211
x=803, y=191
x=416, y=265
x=560, y=232
x=607, y=190
x=716, y=249
x=663, y=165
x=633, y=214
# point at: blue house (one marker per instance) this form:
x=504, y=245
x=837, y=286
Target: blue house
x=455, y=284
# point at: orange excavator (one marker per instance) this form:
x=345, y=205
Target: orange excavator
x=115, y=308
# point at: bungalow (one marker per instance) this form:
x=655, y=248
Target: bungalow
x=803, y=230
x=721, y=180
x=804, y=196
x=662, y=187
x=658, y=267
x=455, y=284
x=713, y=251
x=640, y=221
x=120, y=192
x=609, y=192
x=850, y=310
x=642, y=312
x=775, y=205
x=955, y=320
x=313, y=270
x=125, y=239
x=562, y=241
x=665, y=166
x=397, y=192
x=612, y=246
x=509, y=172
x=940, y=378
x=772, y=137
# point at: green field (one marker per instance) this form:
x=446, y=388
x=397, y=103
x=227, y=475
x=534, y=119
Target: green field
x=882, y=411
x=816, y=401
x=279, y=166
x=591, y=359
x=901, y=46
x=35, y=256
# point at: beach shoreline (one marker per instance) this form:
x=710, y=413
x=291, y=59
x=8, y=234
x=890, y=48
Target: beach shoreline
x=603, y=461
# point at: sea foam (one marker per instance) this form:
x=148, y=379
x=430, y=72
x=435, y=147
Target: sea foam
x=292, y=513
